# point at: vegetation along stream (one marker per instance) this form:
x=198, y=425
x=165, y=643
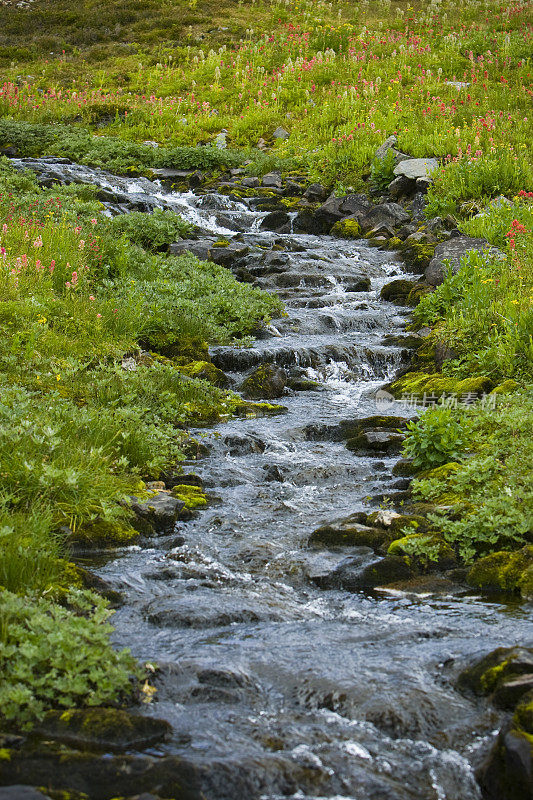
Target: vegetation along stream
x=279, y=674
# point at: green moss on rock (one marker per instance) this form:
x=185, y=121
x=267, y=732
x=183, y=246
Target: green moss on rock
x=426, y=550
x=192, y=496
x=347, y=229
x=206, y=371
x=523, y=716
x=420, y=383
x=498, y=666
x=507, y=387
x=103, y=729
x=103, y=533
x=505, y=572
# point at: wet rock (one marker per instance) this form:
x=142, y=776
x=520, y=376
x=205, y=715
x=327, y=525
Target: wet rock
x=198, y=247
x=354, y=573
x=351, y=428
x=386, y=214
x=454, y=250
x=272, y=180
x=273, y=473
x=228, y=255
x=102, y=776
x=196, y=179
x=377, y=442
x=486, y=675
x=428, y=584
x=266, y=382
x=207, y=609
x=511, y=691
x=161, y=511
x=404, y=467
x=507, y=773
x=398, y=291
x=103, y=729
x=350, y=532
x=278, y=221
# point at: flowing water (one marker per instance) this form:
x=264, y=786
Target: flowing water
x=275, y=687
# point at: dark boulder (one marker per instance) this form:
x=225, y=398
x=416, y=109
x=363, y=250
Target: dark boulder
x=264, y=383
x=277, y=221
x=386, y=214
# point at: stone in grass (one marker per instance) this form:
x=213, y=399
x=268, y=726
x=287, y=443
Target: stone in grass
x=265, y=382
x=103, y=729
x=414, y=168
x=453, y=251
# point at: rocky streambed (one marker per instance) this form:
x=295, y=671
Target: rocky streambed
x=283, y=671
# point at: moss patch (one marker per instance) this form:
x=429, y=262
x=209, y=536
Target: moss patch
x=206, y=371
x=420, y=383
x=347, y=229
x=192, y=496
x=505, y=572
x=105, y=533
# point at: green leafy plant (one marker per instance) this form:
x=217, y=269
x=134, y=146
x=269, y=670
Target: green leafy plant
x=435, y=439
x=57, y=657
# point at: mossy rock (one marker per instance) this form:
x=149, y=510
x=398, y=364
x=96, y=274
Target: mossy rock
x=523, y=716
x=420, y=383
x=351, y=428
x=507, y=387
x=416, y=294
x=266, y=382
x=248, y=409
x=440, y=473
x=397, y=291
x=418, y=254
x=206, y=371
x=428, y=551
x=192, y=496
x=505, y=571
x=404, y=468
x=105, y=533
x=376, y=441
x=182, y=351
x=497, y=667
x=103, y=729
x=387, y=570
x=350, y=532
x=347, y=228
x=396, y=523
